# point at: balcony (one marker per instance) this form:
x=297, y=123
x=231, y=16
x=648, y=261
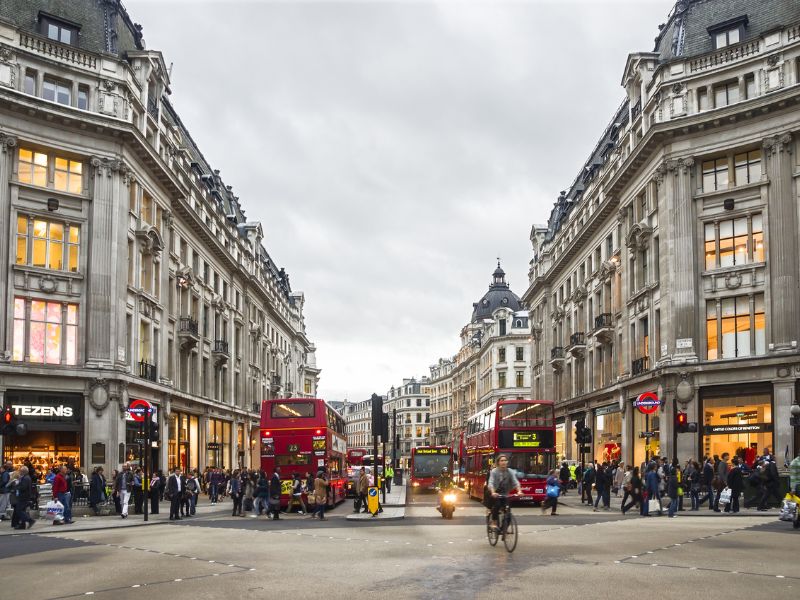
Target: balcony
x=557, y=358
x=637, y=108
x=220, y=352
x=604, y=327
x=256, y=406
x=442, y=429
x=640, y=365
x=188, y=333
x=275, y=383
x=147, y=371
x=58, y=51
x=152, y=107
x=577, y=344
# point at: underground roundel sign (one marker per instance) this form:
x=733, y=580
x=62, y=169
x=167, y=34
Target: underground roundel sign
x=138, y=409
x=647, y=403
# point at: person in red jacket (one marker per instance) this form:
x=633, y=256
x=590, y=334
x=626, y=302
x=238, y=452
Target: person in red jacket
x=62, y=493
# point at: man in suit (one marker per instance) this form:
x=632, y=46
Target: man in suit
x=176, y=486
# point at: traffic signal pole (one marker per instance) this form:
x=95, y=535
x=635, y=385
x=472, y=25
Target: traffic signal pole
x=148, y=423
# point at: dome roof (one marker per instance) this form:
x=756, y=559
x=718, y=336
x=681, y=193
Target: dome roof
x=498, y=296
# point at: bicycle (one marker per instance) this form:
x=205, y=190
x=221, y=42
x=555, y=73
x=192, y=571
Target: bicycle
x=507, y=529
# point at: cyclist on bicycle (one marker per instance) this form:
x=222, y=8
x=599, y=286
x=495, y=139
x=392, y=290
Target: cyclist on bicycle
x=502, y=481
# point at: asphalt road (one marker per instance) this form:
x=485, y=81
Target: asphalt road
x=600, y=555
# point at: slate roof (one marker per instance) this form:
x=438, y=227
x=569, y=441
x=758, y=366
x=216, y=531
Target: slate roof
x=498, y=296
x=684, y=35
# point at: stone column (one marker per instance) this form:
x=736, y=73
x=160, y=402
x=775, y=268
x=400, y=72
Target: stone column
x=102, y=306
x=783, y=432
x=782, y=244
x=7, y=145
x=677, y=179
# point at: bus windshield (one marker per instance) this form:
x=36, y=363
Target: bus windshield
x=292, y=410
x=525, y=464
x=430, y=465
x=524, y=414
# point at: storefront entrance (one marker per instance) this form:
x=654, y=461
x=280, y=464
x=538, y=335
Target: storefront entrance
x=737, y=421
x=55, y=423
x=646, y=435
x=183, y=442
x=607, y=433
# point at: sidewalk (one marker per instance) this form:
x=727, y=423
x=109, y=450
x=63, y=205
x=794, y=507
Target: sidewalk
x=114, y=521
x=573, y=501
x=393, y=508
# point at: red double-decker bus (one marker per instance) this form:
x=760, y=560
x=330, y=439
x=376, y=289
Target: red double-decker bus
x=355, y=456
x=427, y=463
x=525, y=430
x=303, y=435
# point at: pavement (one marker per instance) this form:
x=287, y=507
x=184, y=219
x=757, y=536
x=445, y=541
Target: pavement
x=393, y=508
x=420, y=557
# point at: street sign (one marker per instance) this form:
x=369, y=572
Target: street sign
x=372, y=500
x=138, y=409
x=647, y=403
x=646, y=434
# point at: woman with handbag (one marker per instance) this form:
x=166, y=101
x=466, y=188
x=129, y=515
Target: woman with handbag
x=553, y=490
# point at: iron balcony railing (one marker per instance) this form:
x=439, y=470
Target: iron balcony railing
x=557, y=352
x=147, y=371
x=187, y=325
x=603, y=321
x=577, y=339
x=640, y=365
x=221, y=346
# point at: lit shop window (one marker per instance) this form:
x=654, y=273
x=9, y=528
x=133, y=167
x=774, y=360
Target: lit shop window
x=49, y=334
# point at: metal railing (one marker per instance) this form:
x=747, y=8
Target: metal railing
x=152, y=107
x=603, y=321
x=640, y=365
x=221, y=346
x=557, y=352
x=637, y=108
x=187, y=325
x=147, y=371
x=577, y=339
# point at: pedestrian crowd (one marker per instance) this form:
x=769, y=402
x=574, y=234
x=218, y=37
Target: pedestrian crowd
x=718, y=481
x=251, y=491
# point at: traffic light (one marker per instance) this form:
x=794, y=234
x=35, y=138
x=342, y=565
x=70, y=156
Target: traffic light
x=154, y=432
x=580, y=427
x=587, y=436
x=10, y=425
x=681, y=422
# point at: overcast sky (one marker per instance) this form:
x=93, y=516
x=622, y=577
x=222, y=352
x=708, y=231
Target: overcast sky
x=392, y=151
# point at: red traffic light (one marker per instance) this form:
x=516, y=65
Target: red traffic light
x=681, y=419
x=8, y=416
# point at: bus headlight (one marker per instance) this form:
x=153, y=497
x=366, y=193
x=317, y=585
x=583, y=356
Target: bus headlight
x=415, y=484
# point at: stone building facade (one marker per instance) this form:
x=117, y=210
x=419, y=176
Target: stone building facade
x=670, y=265
x=410, y=403
x=493, y=363
x=130, y=270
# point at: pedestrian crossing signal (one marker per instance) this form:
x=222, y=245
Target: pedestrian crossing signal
x=681, y=422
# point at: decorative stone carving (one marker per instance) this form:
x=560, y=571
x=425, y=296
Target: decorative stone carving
x=638, y=236
x=108, y=166
x=150, y=240
x=98, y=394
x=778, y=143
x=608, y=268
x=47, y=284
x=733, y=281
x=579, y=293
x=536, y=332
x=185, y=277
x=773, y=60
x=6, y=142
x=558, y=313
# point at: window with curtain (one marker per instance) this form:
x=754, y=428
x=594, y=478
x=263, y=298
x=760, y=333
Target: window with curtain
x=47, y=332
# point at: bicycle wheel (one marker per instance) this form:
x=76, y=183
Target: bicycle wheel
x=511, y=533
x=491, y=532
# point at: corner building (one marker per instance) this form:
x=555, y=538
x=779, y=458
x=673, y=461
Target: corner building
x=129, y=269
x=670, y=265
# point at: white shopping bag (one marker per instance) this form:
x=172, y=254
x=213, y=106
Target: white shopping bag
x=54, y=510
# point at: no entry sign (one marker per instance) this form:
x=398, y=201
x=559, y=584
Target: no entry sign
x=647, y=403
x=138, y=409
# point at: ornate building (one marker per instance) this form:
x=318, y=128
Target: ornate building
x=493, y=363
x=670, y=265
x=130, y=270
x=412, y=402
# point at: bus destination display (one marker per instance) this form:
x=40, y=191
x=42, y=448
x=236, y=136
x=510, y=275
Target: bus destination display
x=432, y=450
x=526, y=439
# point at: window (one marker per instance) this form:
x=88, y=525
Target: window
x=57, y=91
x=292, y=410
x=47, y=244
x=734, y=242
x=702, y=99
x=501, y=355
x=59, y=31
x=29, y=83
x=726, y=93
x=502, y=326
x=49, y=335
x=750, y=86
x=83, y=97
x=747, y=167
x=735, y=327
x=727, y=38
x=520, y=353
x=715, y=174
x=32, y=167
x=501, y=379
x=520, y=379
x=68, y=175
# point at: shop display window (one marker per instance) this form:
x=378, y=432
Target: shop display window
x=608, y=437
x=44, y=450
x=739, y=425
x=646, y=436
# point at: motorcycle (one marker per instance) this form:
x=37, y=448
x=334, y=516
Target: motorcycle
x=789, y=510
x=447, y=504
